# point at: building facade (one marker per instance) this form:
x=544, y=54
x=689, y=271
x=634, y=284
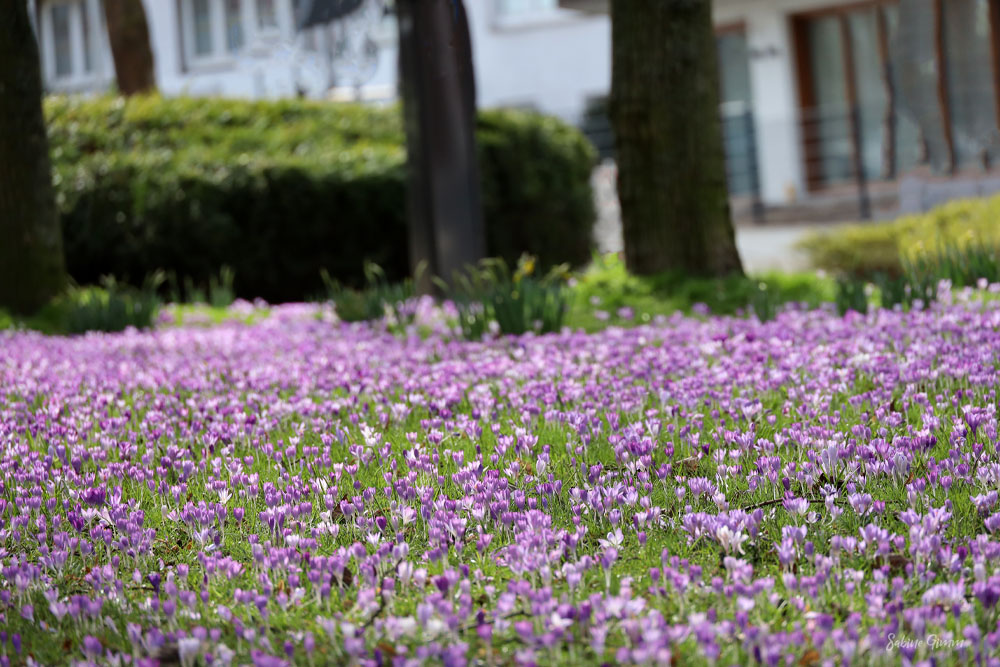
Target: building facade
x=233, y=48
x=527, y=53
x=821, y=99
x=895, y=97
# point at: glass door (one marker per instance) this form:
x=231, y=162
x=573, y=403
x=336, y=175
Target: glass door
x=737, y=111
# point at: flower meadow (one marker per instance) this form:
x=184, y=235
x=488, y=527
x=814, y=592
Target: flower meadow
x=811, y=490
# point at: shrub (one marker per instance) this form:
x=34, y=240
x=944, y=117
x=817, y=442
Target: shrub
x=379, y=299
x=856, y=250
x=110, y=307
x=606, y=290
x=894, y=290
x=868, y=250
x=536, y=188
x=851, y=295
x=278, y=191
x=517, y=301
x=218, y=293
x=763, y=302
x=962, y=265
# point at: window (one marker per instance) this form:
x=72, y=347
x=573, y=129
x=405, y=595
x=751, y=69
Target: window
x=870, y=89
x=202, y=27
x=528, y=13
x=69, y=40
x=234, y=25
x=734, y=66
x=267, y=16
x=61, y=37
x=214, y=31
x=514, y=7
x=913, y=76
x=737, y=123
x=969, y=81
x=88, y=58
x=854, y=121
x=829, y=118
x=880, y=94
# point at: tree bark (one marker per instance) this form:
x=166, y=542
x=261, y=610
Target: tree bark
x=439, y=111
x=128, y=33
x=664, y=109
x=32, y=267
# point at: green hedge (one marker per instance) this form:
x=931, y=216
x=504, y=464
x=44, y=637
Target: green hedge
x=881, y=248
x=280, y=190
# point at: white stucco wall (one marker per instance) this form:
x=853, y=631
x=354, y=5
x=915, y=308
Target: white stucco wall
x=551, y=62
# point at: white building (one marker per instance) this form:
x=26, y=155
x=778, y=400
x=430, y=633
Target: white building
x=527, y=52
x=234, y=48
x=811, y=89
x=835, y=90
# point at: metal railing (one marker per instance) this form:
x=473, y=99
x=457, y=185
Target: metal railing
x=739, y=137
x=739, y=143
x=850, y=157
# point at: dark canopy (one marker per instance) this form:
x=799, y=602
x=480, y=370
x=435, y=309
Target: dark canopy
x=318, y=12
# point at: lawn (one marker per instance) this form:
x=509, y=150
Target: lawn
x=695, y=489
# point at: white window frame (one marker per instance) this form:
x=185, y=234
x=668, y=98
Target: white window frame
x=552, y=16
x=220, y=55
x=274, y=31
x=386, y=33
x=257, y=41
x=78, y=78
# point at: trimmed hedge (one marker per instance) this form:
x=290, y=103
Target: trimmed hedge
x=279, y=190
x=872, y=249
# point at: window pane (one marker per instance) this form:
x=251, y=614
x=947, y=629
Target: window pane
x=827, y=125
x=869, y=87
x=202, y=27
x=60, y=35
x=969, y=79
x=737, y=127
x=915, y=74
x=508, y=7
x=909, y=140
x=267, y=17
x=88, y=65
x=734, y=70
x=234, y=25
x=309, y=39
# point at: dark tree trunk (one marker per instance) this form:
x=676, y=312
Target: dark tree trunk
x=32, y=268
x=128, y=33
x=439, y=109
x=668, y=138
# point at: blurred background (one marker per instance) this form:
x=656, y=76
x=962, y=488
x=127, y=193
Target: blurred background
x=273, y=118
x=818, y=97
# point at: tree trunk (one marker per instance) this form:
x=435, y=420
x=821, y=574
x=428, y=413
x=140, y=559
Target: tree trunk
x=664, y=108
x=32, y=268
x=439, y=110
x=128, y=33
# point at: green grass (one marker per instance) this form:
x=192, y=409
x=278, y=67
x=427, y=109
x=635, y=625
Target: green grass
x=174, y=546
x=597, y=297
x=605, y=288
x=182, y=314
x=52, y=319
x=606, y=280
x=872, y=248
